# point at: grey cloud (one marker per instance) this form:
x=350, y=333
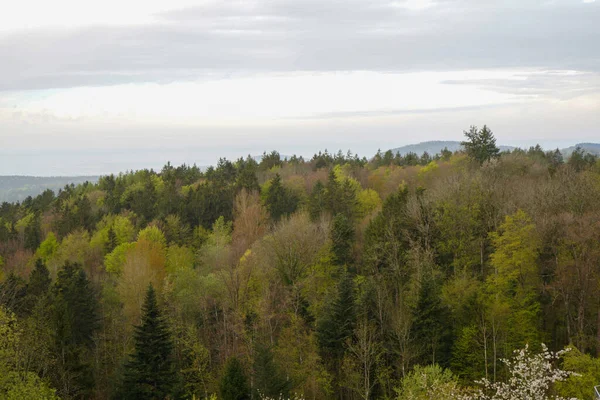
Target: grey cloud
x=308, y=35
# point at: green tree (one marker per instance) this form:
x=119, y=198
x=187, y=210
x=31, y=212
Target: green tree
x=336, y=326
x=480, y=144
x=280, y=201
x=75, y=320
x=342, y=239
x=150, y=373
x=268, y=378
x=234, y=384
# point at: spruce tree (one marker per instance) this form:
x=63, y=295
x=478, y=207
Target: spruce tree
x=342, y=239
x=268, y=379
x=234, y=385
x=150, y=373
x=280, y=201
x=337, y=325
x=75, y=321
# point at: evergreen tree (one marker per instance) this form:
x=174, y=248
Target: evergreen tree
x=268, y=379
x=75, y=321
x=342, y=238
x=150, y=373
x=431, y=326
x=111, y=242
x=480, y=144
x=316, y=201
x=336, y=324
x=280, y=201
x=234, y=385
x=38, y=286
x=33, y=233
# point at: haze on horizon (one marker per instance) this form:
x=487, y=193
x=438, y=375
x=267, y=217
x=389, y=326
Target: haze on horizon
x=90, y=89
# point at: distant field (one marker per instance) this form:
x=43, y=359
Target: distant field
x=17, y=188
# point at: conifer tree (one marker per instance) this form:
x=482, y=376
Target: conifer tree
x=268, y=379
x=480, y=144
x=75, y=321
x=150, y=373
x=336, y=325
x=280, y=201
x=234, y=385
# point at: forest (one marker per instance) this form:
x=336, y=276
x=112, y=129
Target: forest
x=337, y=277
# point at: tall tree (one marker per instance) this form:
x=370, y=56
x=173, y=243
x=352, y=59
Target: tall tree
x=234, y=384
x=75, y=321
x=150, y=373
x=480, y=144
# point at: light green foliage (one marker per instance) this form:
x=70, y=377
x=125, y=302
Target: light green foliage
x=15, y=382
x=429, y=382
x=114, y=261
x=152, y=234
x=587, y=376
x=24, y=222
x=514, y=282
x=48, y=247
x=428, y=170
x=179, y=258
x=368, y=201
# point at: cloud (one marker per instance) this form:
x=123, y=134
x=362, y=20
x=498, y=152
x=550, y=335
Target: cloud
x=257, y=37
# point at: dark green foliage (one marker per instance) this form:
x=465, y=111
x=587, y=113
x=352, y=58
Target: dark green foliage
x=431, y=326
x=268, y=379
x=234, y=384
x=270, y=160
x=111, y=243
x=33, y=233
x=385, y=237
x=340, y=198
x=338, y=320
x=342, y=239
x=38, y=286
x=480, y=144
x=150, y=372
x=280, y=201
x=13, y=292
x=75, y=320
x=316, y=202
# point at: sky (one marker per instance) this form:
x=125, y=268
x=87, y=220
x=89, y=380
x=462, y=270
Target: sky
x=90, y=88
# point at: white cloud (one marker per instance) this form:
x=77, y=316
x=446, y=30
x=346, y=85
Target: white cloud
x=259, y=99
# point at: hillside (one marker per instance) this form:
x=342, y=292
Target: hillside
x=17, y=188
x=435, y=147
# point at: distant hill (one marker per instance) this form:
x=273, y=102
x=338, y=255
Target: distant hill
x=434, y=147
x=17, y=188
x=593, y=148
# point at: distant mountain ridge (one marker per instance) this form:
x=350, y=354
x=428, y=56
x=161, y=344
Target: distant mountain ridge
x=436, y=146
x=15, y=188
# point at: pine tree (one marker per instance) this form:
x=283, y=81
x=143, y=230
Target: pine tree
x=234, y=385
x=150, y=373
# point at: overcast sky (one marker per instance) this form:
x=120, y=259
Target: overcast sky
x=93, y=87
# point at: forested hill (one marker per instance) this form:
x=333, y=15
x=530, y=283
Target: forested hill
x=18, y=188
x=332, y=278
x=436, y=146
